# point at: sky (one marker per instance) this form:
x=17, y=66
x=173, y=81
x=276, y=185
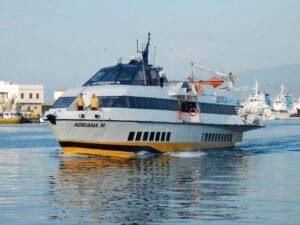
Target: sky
x=62, y=43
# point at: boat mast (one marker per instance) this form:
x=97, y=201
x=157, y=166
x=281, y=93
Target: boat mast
x=256, y=88
x=145, y=52
x=282, y=89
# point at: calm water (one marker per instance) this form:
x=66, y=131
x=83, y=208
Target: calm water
x=257, y=182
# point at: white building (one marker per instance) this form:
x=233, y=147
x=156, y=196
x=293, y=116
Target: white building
x=59, y=92
x=27, y=97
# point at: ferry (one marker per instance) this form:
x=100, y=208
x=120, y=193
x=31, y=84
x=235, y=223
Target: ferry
x=138, y=114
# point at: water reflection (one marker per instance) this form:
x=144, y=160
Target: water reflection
x=147, y=190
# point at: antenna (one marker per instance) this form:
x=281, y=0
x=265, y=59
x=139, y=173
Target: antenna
x=137, y=46
x=171, y=61
x=144, y=51
x=154, y=55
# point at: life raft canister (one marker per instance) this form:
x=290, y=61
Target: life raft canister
x=193, y=111
x=198, y=88
x=179, y=115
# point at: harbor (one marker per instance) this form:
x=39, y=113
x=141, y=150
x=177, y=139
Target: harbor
x=149, y=113
x=255, y=182
x=281, y=107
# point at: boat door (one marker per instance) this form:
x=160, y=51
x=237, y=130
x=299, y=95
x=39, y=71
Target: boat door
x=190, y=110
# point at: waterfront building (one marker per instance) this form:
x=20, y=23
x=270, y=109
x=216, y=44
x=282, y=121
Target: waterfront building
x=27, y=98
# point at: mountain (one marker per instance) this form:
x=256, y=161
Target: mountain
x=270, y=79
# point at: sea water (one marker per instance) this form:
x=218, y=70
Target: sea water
x=257, y=182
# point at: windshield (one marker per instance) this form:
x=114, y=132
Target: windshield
x=124, y=74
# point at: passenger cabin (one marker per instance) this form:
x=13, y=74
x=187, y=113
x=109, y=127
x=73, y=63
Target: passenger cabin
x=137, y=72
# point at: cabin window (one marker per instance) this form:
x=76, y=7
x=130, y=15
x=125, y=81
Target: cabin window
x=205, y=137
x=168, y=136
x=214, y=137
x=154, y=77
x=172, y=105
x=209, y=138
x=202, y=137
x=109, y=76
x=218, y=109
x=138, y=103
x=138, y=136
x=126, y=76
x=145, y=136
x=157, y=136
x=131, y=136
x=163, y=136
x=222, y=137
x=139, y=78
x=96, y=77
x=63, y=102
x=227, y=137
x=152, y=134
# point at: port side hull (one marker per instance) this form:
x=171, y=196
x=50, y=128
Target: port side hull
x=113, y=138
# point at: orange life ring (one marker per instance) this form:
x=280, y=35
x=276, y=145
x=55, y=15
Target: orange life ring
x=198, y=88
x=179, y=115
x=193, y=111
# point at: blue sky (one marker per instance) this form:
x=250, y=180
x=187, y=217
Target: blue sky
x=63, y=43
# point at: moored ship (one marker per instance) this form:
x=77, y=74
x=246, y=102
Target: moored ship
x=295, y=111
x=137, y=113
x=282, y=104
x=10, y=117
x=259, y=103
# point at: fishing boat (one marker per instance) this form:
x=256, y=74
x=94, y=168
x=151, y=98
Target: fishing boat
x=141, y=113
x=10, y=117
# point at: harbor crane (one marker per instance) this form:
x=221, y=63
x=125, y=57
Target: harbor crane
x=229, y=78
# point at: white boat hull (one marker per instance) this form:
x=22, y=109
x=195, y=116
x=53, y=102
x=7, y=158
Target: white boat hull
x=127, y=138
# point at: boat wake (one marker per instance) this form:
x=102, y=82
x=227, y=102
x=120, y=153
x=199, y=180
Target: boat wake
x=185, y=154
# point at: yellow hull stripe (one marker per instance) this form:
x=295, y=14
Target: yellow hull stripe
x=11, y=120
x=129, y=149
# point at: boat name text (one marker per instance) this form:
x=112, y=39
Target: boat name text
x=105, y=83
x=221, y=99
x=93, y=125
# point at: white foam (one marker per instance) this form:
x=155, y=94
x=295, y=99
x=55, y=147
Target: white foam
x=186, y=154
